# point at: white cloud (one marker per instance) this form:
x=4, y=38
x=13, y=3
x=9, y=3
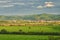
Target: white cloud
x=6, y=5
x=21, y=3
x=30, y=3
x=49, y=4
x=4, y=1
x=39, y=7
x=33, y=6
x=18, y=3
x=46, y=5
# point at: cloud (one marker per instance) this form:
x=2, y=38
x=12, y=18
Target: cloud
x=18, y=3
x=22, y=3
x=33, y=6
x=39, y=7
x=46, y=5
x=4, y=1
x=31, y=3
x=6, y=5
x=49, y=4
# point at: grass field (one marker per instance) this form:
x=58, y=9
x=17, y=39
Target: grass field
x=31, y=28
x=28, y=37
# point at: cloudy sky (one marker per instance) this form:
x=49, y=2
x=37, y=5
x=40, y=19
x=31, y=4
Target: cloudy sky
x=28, y=7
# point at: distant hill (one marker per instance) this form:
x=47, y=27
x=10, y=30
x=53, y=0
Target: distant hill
x=43, y=16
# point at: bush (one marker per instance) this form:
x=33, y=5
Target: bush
x=29, y=27
x=20, y=30
x=3, y=31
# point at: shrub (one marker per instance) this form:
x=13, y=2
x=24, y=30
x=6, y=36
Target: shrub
x=3, y=31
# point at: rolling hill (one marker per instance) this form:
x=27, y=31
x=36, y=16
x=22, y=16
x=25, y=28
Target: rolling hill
x=43, y=16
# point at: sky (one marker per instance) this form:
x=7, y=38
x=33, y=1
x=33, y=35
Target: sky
x=29, y=7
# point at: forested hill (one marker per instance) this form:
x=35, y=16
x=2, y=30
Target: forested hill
x=43, y=16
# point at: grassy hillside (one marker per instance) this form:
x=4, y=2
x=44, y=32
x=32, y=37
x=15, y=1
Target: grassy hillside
x=43, y=16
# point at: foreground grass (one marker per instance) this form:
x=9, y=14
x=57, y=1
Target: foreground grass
x=30, y=29
x=22, y=37
x=28, y=37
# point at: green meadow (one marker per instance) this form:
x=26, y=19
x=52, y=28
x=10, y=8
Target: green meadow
x=28, y=37
x=31, y=28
